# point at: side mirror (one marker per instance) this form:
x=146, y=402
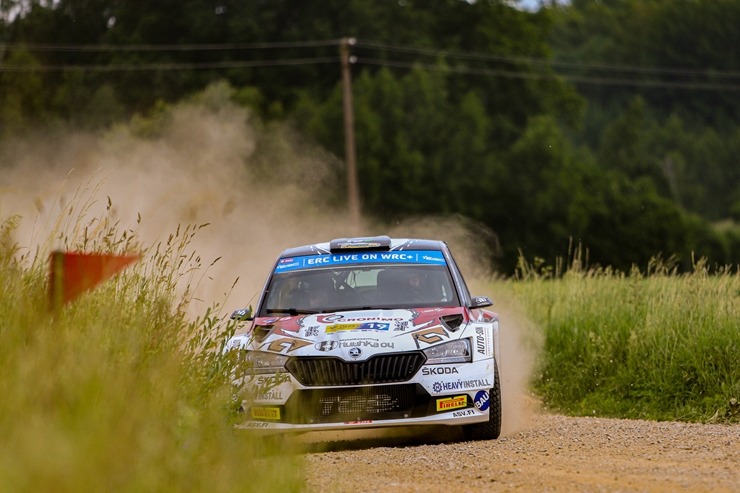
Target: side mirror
x=481, y=302
x=243, y=314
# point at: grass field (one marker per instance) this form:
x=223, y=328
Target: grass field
x=118, y=391
x=654, y=345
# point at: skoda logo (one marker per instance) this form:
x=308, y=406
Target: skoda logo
x=326, y=345
x=355, y=352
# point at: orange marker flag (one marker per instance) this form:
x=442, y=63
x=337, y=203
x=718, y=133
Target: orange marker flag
x=72, y=273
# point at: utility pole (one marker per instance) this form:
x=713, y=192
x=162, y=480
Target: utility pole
x=353, y=193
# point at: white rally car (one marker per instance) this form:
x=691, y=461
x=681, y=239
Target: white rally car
x=367, y=333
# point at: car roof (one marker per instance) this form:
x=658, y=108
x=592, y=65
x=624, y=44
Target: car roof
x=367, y=243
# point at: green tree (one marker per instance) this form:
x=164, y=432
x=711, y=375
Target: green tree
x=650, y=43
x=542, y=194
x=633, y=224
x=22, y=101
x=625, y=147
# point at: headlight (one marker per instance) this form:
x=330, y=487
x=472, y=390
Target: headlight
x=262, y=362
x=450, y=352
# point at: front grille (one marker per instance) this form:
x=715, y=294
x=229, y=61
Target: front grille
x=383, y=368
x=337, y=405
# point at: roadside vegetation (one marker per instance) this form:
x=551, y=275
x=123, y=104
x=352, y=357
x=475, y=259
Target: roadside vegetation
x=119, y=391
x=651, y=344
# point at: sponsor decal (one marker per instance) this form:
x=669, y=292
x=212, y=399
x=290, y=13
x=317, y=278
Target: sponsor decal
x=286, y=325
x=405, y=256
x=273, y=380
x=270, y=395
x=449, y=403
x=430, y=336
x=465, y=412
x=287, y=344
x=312, y=331
x=241, y=313
x=357, y=326
x=329, y=319
x=438, y=387
x=481, y=341
x=482, y=400
x=326, y=345
x=366, y=343
x=432, y=257
x=255, y=424
x=439, y=370
x=287, y=264
x=361, y=422
x=355, y=352
x=259, y=412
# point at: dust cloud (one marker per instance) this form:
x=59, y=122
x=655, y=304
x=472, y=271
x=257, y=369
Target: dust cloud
x=208, y=164
x=259, y=187
x=520, y=342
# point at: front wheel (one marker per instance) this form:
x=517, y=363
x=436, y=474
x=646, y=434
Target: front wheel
x=491, y=429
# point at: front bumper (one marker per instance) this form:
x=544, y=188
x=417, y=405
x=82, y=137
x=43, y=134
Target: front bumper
x=435, y=395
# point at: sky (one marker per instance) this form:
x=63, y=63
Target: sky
x=535, y=4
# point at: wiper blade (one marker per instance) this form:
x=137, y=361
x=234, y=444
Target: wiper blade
x=304, y=311
x=291, y=311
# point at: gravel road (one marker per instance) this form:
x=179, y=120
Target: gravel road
x=550, y=453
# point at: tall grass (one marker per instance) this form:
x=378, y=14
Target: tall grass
x=119, y=391
x=656, y=345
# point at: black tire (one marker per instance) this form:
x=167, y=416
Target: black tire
x=491, y=429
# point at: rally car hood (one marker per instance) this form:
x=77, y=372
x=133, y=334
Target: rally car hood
x=358, y=335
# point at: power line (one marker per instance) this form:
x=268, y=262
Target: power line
x=445, y=54
x=542, y=62
x=536, y=68
x=148, y=67
x=709, y=86
x=31, y=47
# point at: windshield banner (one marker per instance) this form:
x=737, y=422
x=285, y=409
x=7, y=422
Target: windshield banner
x=433, y=257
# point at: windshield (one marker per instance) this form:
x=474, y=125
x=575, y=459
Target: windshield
x=315, y=289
